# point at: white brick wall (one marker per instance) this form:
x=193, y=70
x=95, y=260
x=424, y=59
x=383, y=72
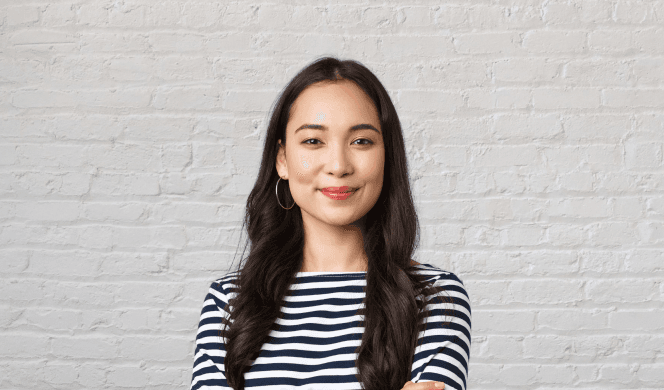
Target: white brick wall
x=131, y=132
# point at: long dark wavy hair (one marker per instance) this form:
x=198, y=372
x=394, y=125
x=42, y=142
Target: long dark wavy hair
x=393, y=313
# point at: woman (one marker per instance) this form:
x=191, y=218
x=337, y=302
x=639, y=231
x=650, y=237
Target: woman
x=329, y=297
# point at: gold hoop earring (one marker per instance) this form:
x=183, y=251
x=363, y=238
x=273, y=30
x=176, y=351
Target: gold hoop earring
x=276, y=191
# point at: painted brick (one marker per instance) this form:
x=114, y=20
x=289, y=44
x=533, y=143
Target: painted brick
x=650, y=232
x=23, y=346
x=53, y=263
x=163, y=14
x=187, y=98
x=572, y=320
x=580, y=208
x=22, y=70
x=526, y=70
x=517, y=375
x=644, y=260
x=166, y=375
x=22, y=15
x=446, y=102
x=644, y=320
x=643, y=155
x=121, y=184
x=484, y=43
x=113, y=41
x=545, y=291
x=91, y=14
x=612, y=233
x=501, y=347
x=59, y=15
x=602, y=291
x=131, y=133
x=505, y=155
x=84, y=347
x=596, y=11
x=621, y=98
x=154, y=348
x=598, y=72
x=632, y=12
x=182, y=67
x=628, y=208
x=610, y=40
x=127, y=377
x=504, y=321
x=63, y=320
x=90, y=374
x=547, y=99
x=581, y=128
x=41, y=36
x=559, y=13
x=617, y=373
x=61, y=374
x=543, y=41
x=643, y=346
x=176, y=42
x=651, y=373
x=498, y=99
x=8, y=154
x=556, y=374
x=648, y=70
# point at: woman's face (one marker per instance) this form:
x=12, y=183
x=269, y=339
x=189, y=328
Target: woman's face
x=333, y=140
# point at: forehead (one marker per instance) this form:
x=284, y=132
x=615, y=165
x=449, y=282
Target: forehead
x=325, y=96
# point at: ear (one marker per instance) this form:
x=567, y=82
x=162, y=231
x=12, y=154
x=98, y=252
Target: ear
x=282, y=167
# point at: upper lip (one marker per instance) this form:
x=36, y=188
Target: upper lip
x=338, y=189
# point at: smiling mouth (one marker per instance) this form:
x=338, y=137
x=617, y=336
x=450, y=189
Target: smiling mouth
x=338, y=190
x=338, y=193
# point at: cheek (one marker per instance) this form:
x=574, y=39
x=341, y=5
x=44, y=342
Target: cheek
x=304, y=167
x=375, y=166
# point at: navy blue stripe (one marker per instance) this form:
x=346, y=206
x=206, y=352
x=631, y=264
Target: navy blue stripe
x=347, y=323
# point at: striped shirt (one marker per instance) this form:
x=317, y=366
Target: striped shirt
x=320, y=331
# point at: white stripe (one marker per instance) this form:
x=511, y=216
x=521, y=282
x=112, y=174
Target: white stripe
x=321, y=320
x=306, y=361
x=300, y=375
x=313, y=303
x=329, y=308
x=311, y=347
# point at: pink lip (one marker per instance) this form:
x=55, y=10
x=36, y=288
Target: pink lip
x=336, y=189
x=337, y=193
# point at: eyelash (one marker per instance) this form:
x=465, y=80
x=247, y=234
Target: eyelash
x=306, y=141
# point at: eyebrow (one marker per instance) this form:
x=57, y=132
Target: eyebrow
x=361, y=126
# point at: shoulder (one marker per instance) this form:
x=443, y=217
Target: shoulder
x=442, y=280
x=435, y=273
x=450, y=296
x=226, y=282
x=222, y=289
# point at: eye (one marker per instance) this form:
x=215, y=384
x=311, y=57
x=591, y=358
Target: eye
x=306, y=141
x=368, y=142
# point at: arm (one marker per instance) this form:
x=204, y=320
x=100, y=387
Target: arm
x=208, y=371
x=445, y=344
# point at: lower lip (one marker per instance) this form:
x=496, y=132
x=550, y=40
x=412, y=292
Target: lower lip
x=338, y=195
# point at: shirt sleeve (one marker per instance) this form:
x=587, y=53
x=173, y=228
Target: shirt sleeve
x=209, y=372
x=443, y=349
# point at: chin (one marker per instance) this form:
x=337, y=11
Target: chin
x=340, y=220
x=337, y=218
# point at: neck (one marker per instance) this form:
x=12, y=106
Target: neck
x=333, y=248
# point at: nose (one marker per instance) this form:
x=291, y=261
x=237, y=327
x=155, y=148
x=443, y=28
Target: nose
x=339, y=163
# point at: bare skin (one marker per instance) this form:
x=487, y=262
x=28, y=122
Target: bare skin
x=423, y=386
x=334, y=139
